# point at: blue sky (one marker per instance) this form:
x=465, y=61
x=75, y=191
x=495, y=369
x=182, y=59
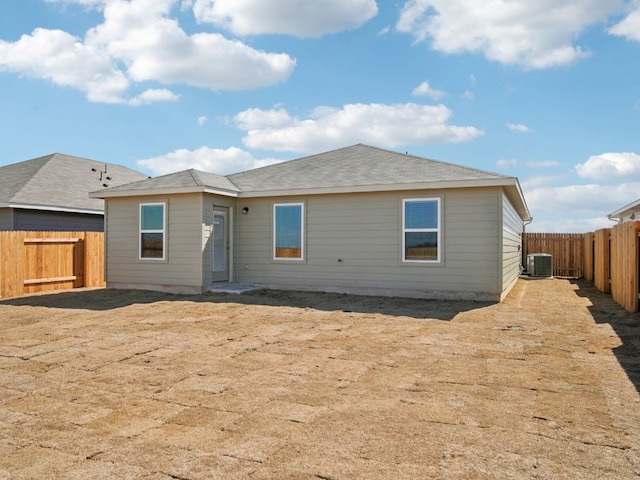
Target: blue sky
x=544, y=90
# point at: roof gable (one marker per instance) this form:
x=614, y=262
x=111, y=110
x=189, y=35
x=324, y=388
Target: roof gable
x=180, y=182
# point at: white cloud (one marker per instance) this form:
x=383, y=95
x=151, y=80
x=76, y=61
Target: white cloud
x=507, y=163
x=153, y=95
x=541, y=181
x=629, y=27
x=536, y=35
x=202, y=120
x=543, y=164
x=572, y=225
x=425, y=90
x=301, y=18
x=609, y=166
x=572, y=201
x=518, y=127
x=212, y=160
x=378, y=124
x=155, y=48
x=139, y=42
x=87, y=3
x=63, y=59
x=256, y=119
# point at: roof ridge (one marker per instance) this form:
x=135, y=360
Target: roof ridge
x=196, y=178
x=32, y=178
x=441, y=162
x=195, y=173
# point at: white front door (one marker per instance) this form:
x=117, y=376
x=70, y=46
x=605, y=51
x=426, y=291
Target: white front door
x=220, y=244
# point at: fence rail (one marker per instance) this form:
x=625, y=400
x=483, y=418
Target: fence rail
x=32, y=262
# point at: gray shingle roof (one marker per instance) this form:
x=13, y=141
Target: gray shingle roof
x=60, y=182
x=358, y=165
x=356, y=168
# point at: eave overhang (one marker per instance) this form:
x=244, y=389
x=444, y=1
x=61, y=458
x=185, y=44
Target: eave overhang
x=162, y=191
x=52, y=208
x=633, y=207
x=510, y=184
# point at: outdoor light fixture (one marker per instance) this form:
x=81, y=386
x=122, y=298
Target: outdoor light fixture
x=245, y=210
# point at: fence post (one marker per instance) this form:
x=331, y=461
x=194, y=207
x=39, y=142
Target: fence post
x=94, y=259
x=11, y=264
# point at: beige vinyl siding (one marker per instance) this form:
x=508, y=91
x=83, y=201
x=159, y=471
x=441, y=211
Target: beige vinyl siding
x=512, y=226
x=6, y=219
x=183, y=236
x=354, y=241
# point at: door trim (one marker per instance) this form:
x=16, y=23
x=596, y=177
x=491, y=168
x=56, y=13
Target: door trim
x=221, y=275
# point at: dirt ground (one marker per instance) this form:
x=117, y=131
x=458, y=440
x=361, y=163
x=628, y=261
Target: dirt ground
x=289, y=385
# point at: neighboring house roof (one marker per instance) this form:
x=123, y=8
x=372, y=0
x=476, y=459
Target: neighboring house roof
x=358, y=168
x=60, y=183
x=632, y=209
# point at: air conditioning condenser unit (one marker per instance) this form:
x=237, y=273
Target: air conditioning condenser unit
x=540, y=264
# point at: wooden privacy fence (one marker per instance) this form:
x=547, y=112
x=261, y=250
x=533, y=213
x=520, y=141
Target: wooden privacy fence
x=624, y=264
x=567, y=250
x=614, y=262
x=597, y=258
x=33, y=262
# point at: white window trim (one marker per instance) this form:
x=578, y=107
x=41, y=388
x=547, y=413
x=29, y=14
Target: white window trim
x=163, y=231
x=438, y=229
x=302, y=228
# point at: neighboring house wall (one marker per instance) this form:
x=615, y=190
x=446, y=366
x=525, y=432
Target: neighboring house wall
x=512, y=226
x=354, y=244
x=181, y=270
x=41, y=220
x=6, y=219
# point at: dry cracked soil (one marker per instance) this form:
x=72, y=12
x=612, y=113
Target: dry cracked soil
x=125, y=384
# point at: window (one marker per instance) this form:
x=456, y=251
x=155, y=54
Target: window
x=421, y=230
x=287, y=231
x=152, y=230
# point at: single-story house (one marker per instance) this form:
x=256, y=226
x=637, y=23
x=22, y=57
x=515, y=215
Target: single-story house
x=359, y=219
x=627, y=213
x=51, y=193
